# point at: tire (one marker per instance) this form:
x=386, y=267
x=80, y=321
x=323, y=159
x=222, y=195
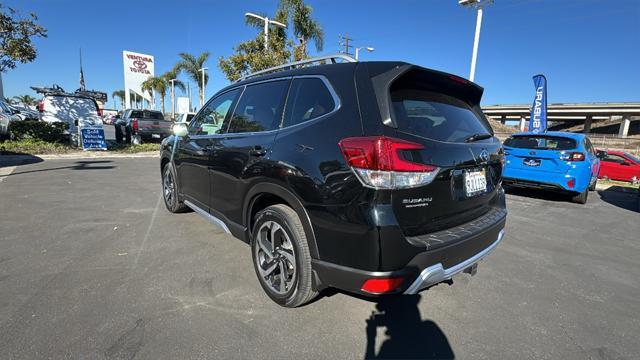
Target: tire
x=278, y=243
x=592, y=187
x=581, y=198
x=170, y=192
x=118, y=133
x=127, y=135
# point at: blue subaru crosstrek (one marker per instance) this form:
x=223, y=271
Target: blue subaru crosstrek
x=558, y=161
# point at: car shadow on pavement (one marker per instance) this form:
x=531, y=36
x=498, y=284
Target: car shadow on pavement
x=538, y=194
x=621, y=197
x=16, y=159
x=407, y=336
x=78, y=165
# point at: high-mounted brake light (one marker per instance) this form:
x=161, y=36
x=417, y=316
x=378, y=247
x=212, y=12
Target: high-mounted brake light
x=379, y=162
x=380, y=286
x=134, y=125
x=458, y=79
x=572, y=156
x=41, y=106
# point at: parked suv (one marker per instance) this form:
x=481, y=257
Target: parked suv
x=371, y=177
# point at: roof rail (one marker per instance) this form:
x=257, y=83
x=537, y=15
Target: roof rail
x=302, y=63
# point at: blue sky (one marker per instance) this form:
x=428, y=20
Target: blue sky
x=588, y=49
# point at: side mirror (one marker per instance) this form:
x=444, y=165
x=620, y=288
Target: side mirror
x=180, y=129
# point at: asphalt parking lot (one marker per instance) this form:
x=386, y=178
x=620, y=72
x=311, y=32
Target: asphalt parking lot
x=92, y=266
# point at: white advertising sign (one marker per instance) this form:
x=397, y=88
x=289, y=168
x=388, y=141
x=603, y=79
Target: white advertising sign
x=182, y=105
x=137, y=69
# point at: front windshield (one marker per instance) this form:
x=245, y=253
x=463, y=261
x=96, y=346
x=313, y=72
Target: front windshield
x=632, y=157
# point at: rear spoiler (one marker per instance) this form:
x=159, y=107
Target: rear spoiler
x=416, y=77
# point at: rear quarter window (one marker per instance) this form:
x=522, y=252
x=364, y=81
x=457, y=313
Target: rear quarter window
x=435, y=116
x=541, y=142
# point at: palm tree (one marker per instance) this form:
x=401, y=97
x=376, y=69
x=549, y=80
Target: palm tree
x=120, y=94
x=26, y=100
x=173, y=75
x=191, y=65
x=305, y=28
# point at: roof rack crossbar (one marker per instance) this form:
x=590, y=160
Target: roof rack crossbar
x=302, y=63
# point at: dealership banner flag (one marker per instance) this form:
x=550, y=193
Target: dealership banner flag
x=538, y=120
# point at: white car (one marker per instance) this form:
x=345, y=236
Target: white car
x=77, y=111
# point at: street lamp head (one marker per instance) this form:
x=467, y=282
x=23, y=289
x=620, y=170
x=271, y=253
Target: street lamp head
x=467, y=2
x=370, y=49
x=249, y=14
x=278, y=24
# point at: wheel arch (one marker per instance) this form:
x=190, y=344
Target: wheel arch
x=265, y=194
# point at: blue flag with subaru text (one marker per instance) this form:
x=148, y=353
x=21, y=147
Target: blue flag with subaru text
x=538, y=120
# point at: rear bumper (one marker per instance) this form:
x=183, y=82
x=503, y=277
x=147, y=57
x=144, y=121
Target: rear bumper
x=427, y=268
x=538, y=179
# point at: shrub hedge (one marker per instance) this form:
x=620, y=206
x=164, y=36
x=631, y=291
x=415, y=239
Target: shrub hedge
x=39, y=130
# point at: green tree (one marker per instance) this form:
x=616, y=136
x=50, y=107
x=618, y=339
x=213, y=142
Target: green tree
x=251, y=56
x=16, y=35
x=305, y=28
x=191, y=65
x=26, y=100
x=120, y=94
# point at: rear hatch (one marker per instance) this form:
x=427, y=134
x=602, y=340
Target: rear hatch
x=440, y=112
x=538, y=152
x=72, y=110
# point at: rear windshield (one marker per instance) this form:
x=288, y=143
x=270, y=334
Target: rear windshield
x=146, y=114
x=540, y=142
x=435, y=116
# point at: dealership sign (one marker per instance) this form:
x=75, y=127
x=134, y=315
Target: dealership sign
x=137, y=69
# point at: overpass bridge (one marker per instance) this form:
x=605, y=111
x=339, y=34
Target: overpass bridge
x=577, y=113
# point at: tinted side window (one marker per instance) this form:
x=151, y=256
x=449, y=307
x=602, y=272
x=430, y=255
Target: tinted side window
x=210, y=119
x=260, y=107
x=614, y=159
x=136, y=114
x=309, y=98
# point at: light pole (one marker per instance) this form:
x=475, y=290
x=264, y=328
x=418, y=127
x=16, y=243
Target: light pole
x=368, y=48
x=267, y=22
x=203, y=85
x=173, y=116
x=478, y=5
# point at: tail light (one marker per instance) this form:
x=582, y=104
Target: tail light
x=379, y=163
x=41, y=106
x=380, y=286
x=134, y=125
x=502, y=154
x=572, y=156
x=99, y=112
x=571, y=183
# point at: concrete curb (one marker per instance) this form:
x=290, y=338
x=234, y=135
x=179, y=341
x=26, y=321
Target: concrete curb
x=80, y=155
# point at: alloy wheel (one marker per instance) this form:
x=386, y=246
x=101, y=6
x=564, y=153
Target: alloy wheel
x=275, y=257
x=168, y=187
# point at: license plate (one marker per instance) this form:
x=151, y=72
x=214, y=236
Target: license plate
x=475, y=182
x=155, y=136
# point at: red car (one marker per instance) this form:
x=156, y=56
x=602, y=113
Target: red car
x=619, y=165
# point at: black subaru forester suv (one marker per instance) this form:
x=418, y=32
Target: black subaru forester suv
x=371, y=177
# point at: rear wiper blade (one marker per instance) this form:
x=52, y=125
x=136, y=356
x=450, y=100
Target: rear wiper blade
x=476, y=137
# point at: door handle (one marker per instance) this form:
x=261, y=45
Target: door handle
x=258, y=151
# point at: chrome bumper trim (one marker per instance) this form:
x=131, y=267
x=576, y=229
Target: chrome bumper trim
x=437, y=273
